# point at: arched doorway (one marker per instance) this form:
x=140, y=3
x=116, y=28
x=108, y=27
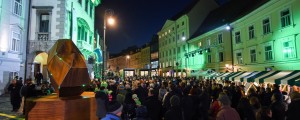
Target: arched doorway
x=40, y=65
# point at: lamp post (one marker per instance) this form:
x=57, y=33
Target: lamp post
x=108, y=19
x=228, y=27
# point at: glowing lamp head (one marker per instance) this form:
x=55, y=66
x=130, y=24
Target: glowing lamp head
x=127, y=56
x=111, y=21
x=228, y=27
x=227, y=65
x=183, y=38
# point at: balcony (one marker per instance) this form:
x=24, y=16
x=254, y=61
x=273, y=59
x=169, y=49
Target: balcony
x=83, y=45
x=35, y=45
x=43, y=36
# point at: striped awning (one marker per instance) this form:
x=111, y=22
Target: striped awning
x=238, y=78
x=233, y=76
x=248, y=76
x=223, y=75
x=252, y=77
x=229, y=75
x=270, y=73
x=209, y=75
x=217, y=75
x=271, y=79
x=289, y=79
x=297, y=82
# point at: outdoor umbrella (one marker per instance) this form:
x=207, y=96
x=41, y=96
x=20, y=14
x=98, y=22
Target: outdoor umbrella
x=67, y=69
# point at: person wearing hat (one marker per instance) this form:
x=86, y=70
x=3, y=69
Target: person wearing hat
x=114, y=111
x=226, y=112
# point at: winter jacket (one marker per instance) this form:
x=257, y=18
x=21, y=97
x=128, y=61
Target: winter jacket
x=227, y=113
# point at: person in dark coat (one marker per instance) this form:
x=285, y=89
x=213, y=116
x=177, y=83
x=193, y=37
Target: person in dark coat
x=174, y=113
x=141, y=93
x=245, y=110
x=15, y=97
x=102, y=102
x=277, y=107
x=190, y=105
x=166, y=101
x=293, y=112
x=153, y=105
x=38, y=78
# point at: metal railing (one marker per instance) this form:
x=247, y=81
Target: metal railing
x=43, y=36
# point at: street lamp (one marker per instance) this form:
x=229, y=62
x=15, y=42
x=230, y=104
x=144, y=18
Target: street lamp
x=127, y=60
x=228, y=27
x=108, y=19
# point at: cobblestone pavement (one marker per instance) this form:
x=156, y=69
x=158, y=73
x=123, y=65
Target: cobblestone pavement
x=5, y=109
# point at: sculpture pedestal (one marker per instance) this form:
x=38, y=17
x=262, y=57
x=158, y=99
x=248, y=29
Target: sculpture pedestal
x=52, y=107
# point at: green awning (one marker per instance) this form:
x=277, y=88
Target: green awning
x=223, y=75
x=238, y=78
x=286, y=78
x=261, y=80
x=232, y=74
x=235, y=75
x=251, y=77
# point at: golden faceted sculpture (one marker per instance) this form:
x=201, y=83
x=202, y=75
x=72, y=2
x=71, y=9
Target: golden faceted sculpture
x=67, y=69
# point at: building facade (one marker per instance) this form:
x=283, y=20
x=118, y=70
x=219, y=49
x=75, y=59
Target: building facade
x=174, y=35
x=266, y=38
x=13, y=39
x=51, y=20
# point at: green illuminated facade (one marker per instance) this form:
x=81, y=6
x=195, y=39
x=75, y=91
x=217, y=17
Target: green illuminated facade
x=51, y=20
x=267, y=38
x=238, y=36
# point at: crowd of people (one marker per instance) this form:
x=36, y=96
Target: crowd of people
x=190, y=99
x=161, y=98
x=19, y=92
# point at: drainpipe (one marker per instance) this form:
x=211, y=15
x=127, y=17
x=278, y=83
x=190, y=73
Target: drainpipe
x=27, y=41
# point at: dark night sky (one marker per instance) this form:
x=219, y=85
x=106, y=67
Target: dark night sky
x=137, y=20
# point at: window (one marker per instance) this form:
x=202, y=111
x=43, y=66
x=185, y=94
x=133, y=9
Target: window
x=237, y=37
x=182, y=34
x=17, y=9
x=15, y=41
x=239, y=58
x=251, y=32
x=268, y=52
x=288, y=49
x=86, y=6
x=182, y=23
x=169, y=41
x=174, y=51
x=173, y=39
x=208, y=58
x=253, y=55
x=221, y=57
x=285, y=18
x=178, y=50
x=266, y=26
x=208, y=42
x=44, y=22
x=80, y=2
x=220, y=38
x=170, y=53
x=91, y=10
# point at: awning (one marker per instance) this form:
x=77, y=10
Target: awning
x=270, y=73
x=271, y=79
x=216, y=75
x=252, y=77
x=209, y=75
x=289, y=79
x=99, y=54
x=233, y=75
x=223, y=75
x=237, y=78
x=242, y=78
x=297, y=82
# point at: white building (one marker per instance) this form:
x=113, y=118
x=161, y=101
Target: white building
x=51, y=20
x=13, y=36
